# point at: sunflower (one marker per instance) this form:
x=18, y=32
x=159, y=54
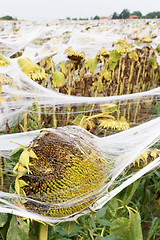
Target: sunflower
x=60, y=175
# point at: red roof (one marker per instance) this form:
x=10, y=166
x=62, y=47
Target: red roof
x=103, y=18
x=133, y=16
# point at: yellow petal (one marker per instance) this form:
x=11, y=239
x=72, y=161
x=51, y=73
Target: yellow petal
x=32, y=154
x=17, y=187
x=22, y=170
x=22, y=183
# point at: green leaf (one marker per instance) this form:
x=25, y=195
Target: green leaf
x=113, y=237
x=127, y=194
x=112, y=64
x=92, y=223
x=121, y=227
x=100, y=86
x=60, y=230
x=154, y=227
x=112, y=209
x=128, y=229
x=68, y=226
x=63, y=67
x=34, y=229
x=104, y=222
x=158, y=48
x=18, y=229
x=101, y=212
x=3, y=219
x=4, y=229
x=115, y=56
x=78, y=119
x=91, y=64
x=27, y=66
x=58, y=79
x=135, y=226
x=74, y=231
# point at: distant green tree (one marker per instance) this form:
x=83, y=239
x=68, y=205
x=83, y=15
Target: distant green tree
x=68, y=18
x=7, y=17
x=83, y=19
x=96, y=18
x=115, y=16
x=124, y=14
x=152, y=15
x=137, y=13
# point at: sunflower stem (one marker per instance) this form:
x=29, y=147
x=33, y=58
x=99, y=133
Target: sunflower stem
x=1, y=172
x=43, y=231
x=25, y=121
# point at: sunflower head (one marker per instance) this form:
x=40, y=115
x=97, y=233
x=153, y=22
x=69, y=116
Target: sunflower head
x=3, y=61
x=65, y=176
x=75, y=56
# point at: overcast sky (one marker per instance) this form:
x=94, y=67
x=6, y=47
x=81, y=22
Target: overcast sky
x=57, y=9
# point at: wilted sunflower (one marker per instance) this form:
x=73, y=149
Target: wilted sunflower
x=110, y=123
x=3, y=61
x=31, y=69
x=63, y=173
x=102, y=54
x=75, y=56
x=5, y=79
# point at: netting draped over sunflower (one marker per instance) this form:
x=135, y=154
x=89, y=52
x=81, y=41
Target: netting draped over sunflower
x=79, y=115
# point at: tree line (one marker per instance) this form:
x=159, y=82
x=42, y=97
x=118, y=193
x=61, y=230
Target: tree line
x=126, y=14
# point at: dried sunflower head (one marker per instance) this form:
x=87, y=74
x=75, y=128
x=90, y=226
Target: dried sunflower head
x=5, y=79
x=3, y=61
x=75, y=56
x=102, y=54
x=122, y=46
x=66, y=175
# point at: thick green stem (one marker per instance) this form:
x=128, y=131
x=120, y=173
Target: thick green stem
x=43, y=231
